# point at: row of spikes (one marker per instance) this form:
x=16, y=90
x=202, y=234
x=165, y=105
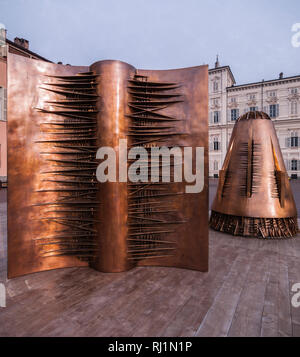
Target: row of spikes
x=147, y=121
x=255, y=227
x=250, y=177
x=71, y=176
x=150, y=213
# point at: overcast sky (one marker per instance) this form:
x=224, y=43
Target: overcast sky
x=253, y=37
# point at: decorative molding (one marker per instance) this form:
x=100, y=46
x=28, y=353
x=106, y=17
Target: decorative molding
x=272, y=100
x=293, y=97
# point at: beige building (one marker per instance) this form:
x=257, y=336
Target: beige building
x=280, y=98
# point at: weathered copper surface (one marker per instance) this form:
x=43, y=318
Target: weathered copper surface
x=26, y=165
x=57, y=117
x=190, y=231
x=254, y=183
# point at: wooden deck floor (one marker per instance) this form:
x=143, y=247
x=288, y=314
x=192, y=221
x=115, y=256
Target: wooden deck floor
x=247, y=292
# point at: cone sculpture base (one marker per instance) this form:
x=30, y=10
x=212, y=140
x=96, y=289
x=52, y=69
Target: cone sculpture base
x=254, y=227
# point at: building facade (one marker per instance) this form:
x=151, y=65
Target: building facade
x=280, y=98
x=20, y=47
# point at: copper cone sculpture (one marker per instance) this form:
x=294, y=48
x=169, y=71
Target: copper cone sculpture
x=254, y=197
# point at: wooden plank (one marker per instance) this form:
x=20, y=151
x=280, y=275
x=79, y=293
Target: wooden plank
x=284, y=310
x=91, y=303
x=248, y=316
x=218, y=319
x=148, y=314
x=270, y=316
x=187, y=319
x=115, y=318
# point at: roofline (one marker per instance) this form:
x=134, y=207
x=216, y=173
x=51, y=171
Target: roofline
x=263, y=82
x=224, y=67
x=11, y=43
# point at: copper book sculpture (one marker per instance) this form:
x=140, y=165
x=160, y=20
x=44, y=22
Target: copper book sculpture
x=254, y=197
x=59, y=215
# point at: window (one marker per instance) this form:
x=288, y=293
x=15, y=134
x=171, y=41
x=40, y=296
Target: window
x=253, y=109
x=216, y=165
x=251, y=96
x=272, y=94
x=216, y=116
x=294, y=90
x=215, y=86
x=294, y=139
x=274, y=110
x=4, y=104
x=294, y=165
x=294, y=107
x=234, y=114
x=215, y=102
x=1, y=104
x=216, y=144
x=233, y=100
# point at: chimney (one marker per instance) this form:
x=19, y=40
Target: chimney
x=280, y=75
x=2, y=35
x=22, y=42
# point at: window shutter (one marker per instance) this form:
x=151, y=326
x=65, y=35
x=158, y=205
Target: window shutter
x=277, y=110
x=1, y=104
x=211, y=117
x=4, y=103
x=217, y=119
x=237, y=113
